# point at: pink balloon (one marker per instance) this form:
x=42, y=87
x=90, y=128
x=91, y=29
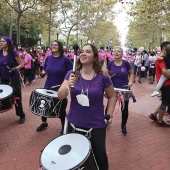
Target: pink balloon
x=150, y=58
x=158, y=48
x=143, y=68
x=141, y=49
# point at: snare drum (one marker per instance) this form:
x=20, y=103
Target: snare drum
x=45, y=103
x=127, y=94
x=6, y=98
x=67, y=153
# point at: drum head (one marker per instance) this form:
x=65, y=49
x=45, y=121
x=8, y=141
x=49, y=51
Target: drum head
x=5, y=91
x=46, y=92
x=121, y=90
x=65, y=152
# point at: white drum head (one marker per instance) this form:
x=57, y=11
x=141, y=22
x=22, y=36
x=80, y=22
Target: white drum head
x=121, y=90
x=46, y=92
x=5, y=91
x=65, y=152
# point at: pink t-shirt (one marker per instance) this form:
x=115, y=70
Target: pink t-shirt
x=41, y=61
x=27, y=58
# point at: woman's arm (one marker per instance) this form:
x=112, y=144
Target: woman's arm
x=20, y=64
x=131, y=78
x=66, y=86
x=111, y=102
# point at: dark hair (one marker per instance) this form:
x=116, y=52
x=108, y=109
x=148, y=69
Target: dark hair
x=60, y=45
x=167, y=48
x=96, y=64
x=164, y=44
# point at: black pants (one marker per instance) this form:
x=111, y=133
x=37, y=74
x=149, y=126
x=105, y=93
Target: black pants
x=62, y=113
x=97, y=139
x=125, y=113
x=15, y=83
x=27, y=74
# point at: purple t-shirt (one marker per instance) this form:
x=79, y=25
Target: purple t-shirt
x=56, y=68
x=4, y=71
x=92, y=116
x=121, y=77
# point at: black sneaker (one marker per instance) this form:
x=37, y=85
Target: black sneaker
x=139, y=82
x=153, y=117
x=163, y=124
x=42, y=127
x=124, y=131
x=22, y=120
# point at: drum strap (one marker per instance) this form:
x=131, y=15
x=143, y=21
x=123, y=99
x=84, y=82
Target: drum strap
x=87, y=132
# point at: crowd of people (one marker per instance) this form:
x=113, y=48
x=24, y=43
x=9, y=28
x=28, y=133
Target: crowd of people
x=87, y=84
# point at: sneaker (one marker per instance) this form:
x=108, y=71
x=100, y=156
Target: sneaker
x=42, y=127
x=124, y=131
x=153, y=117
x=155, y=93
x=134, y=81
x=22, y=120
x=139, y=82
x=163, y=124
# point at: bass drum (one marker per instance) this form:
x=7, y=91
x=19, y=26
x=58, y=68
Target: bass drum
x=6, y=98
x=68, y=152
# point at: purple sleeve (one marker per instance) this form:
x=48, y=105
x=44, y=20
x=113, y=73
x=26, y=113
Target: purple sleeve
x=68, y=75
x=109, y=65
x=107, y=81
x=45, y=63
x=15, y=53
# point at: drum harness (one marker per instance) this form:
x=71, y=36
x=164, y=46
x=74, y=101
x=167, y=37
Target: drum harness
x=87, y=132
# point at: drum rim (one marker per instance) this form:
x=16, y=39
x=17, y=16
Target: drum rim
x=44, y=94
x=90, y=149
x=12, y=93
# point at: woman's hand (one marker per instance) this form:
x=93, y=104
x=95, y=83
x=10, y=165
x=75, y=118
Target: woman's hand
x=71, y=80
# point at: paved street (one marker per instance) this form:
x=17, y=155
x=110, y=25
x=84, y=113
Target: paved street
x=145, y=147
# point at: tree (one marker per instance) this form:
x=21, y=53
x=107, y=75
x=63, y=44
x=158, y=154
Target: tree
x=20, y=6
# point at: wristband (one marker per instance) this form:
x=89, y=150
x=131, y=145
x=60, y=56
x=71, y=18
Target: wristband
x=108, y=116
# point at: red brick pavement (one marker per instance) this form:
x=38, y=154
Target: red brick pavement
x=146, y=147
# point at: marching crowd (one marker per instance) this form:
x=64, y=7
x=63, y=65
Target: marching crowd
x=87, y=84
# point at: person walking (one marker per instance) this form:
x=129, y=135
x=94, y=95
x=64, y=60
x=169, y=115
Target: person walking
x=56, y=67
x=122, y=77
x=86, y=108
x=10, y=64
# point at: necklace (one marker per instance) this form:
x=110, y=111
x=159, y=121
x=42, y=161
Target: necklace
x=86, y=91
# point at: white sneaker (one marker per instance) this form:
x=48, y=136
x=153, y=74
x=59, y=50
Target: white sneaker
x=155, y=93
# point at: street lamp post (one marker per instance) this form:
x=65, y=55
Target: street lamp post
x=110, y=42
x=57, y=31
x=40, y=36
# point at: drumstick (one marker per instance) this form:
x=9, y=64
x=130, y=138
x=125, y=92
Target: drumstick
x=112, y=75
x=54, y=86
x=75, y=47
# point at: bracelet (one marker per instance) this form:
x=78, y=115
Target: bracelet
x=108, y=116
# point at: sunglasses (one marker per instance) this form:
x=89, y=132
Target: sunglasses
x=54, y=45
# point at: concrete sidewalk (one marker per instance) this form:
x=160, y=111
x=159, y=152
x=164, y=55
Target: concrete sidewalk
x=145, y=147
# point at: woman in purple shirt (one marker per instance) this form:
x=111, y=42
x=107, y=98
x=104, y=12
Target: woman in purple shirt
x=122, y=77
x=56, y=67
x=10, y=64
x=86, y=108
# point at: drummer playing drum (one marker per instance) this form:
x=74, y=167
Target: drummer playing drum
x=122, y=77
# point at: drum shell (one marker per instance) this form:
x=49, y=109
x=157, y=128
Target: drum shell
x=88, y=163
x=51, y=107
x=7, y=103
x=127, y=94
